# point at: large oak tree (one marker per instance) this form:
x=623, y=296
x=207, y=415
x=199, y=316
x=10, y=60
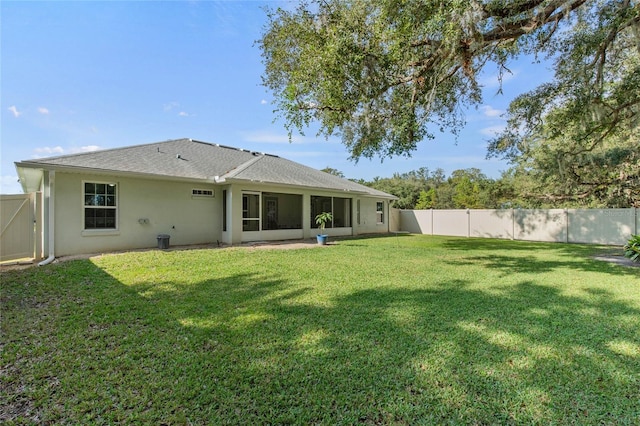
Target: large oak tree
x=387, y=74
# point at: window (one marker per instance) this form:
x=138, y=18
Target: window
x=380, y=212
x=250, y=212
x=320, y=205
x=281, y=211
x=342, y=212
x=202, y=193
x=100, y=205
x=340, y=209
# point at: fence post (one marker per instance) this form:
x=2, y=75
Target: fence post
x=431, y=221
x=513, y=224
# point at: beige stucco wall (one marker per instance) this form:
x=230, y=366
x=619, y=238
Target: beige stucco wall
x=168, y=207
x=368, y=219
x=394, y=220
x=148, y=207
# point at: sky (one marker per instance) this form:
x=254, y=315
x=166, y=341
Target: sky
x=78, y=76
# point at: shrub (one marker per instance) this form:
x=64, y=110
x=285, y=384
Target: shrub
x=632, y=248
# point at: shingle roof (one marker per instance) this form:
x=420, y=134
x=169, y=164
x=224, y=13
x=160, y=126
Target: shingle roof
x=186, y=158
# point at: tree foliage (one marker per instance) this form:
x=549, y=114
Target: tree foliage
x=381, y=73
x=577, y=139
x=387, y=74
x=423, y=189
x=561, y=172
x=408, y=186
x=332, y=171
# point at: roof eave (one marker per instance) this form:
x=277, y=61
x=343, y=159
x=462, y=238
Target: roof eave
x=30, y=178
x=110, y=172
x=305, y=187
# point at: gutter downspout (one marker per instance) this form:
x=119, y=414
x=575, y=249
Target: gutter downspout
x=51, y=216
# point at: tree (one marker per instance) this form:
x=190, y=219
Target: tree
x=576, y=140
x=386, y=74
x=563, y=172
x=471, y=189
x=427, y=199
x=422, y=189
x=408, y=186
x=332, y=171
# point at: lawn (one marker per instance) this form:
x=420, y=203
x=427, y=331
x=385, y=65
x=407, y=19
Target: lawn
x=390, y=330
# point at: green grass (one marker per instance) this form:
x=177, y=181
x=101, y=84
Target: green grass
x=394, y=330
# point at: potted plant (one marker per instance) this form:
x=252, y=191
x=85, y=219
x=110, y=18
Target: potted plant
x=321, y=220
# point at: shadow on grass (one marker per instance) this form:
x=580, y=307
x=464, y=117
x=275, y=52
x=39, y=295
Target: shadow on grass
x=518, y=256
x=254, y=349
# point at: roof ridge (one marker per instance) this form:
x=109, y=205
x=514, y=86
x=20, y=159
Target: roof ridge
x=244, y=166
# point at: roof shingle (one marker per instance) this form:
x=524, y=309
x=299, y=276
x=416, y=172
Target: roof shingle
x=186, y=158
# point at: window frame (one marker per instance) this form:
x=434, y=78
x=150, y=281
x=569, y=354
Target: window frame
x=380, y=212
x=115, y=207
x=246, y=219
x=202, y=193
x=329, y=203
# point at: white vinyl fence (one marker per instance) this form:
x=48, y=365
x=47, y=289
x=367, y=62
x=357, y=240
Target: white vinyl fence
x=20, y=226
x=590, y=226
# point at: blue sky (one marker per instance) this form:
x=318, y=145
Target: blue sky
x=81, y=76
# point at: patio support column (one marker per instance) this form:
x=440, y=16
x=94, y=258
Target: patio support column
x=306, y=216
x=354, y=216
x=234, y=215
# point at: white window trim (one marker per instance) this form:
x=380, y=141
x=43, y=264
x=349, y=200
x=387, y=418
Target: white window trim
x=101, y=231
x=202, y=193
x=253, y=219
x=380, y=212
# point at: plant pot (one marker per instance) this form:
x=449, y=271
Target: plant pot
x=322, y=239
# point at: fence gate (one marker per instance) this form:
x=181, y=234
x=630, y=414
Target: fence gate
x=19, y=225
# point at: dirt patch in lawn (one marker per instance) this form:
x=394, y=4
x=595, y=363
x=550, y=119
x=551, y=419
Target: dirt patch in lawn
x=617, y=259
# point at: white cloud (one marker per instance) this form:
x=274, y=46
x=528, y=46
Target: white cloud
x=14, y=111
x=47, y=150
x=490, y=111
x=43, y=110
x=171, y=105
x=87, y=148
x=263, y=102
x=492, y=130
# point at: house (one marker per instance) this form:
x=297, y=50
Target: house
x=195, y=192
